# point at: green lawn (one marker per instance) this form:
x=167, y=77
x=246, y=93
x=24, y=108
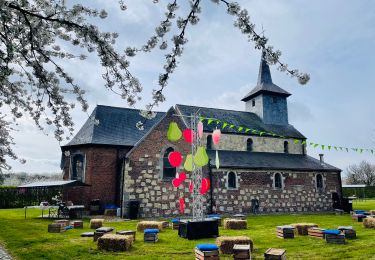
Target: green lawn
x=29, y=239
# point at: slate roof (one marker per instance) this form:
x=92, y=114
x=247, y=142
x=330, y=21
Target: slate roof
x=52, y=184
x=116, y=127
x=265, y=84
x=238, y=118
x=269, y=161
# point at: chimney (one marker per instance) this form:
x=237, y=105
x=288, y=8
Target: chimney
x=321, y=156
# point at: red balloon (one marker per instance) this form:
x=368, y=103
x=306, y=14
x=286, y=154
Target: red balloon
x=182, y=176
x=176, y=182
x=191, y=187
x=182, y=205
x=188, y=135
x=205, y=186
x=175, y=159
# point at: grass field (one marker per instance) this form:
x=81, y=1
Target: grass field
x=29, y=239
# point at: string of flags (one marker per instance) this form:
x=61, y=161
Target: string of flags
x=244, y=129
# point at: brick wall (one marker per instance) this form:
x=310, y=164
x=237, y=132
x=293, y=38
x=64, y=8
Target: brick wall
x=102, y=171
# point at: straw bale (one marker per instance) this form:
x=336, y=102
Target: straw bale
x=112, y=242
x=149, y=224
x=235, y=223
x=96, y=223
x=369, y=222
x=226, y=243
x=302, y=228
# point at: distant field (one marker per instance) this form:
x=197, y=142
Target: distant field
x=29, y=239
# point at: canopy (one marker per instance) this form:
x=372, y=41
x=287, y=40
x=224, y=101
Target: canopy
x=42, y=184
x=354, y=185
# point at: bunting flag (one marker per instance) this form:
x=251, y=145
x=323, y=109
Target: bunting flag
x=245, y=129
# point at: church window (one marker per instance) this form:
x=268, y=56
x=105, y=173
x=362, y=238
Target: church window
x=232, y=180
x=169, y=172
x=209, y=142
x=78, y=167
x=286, y=147
x=249, y=145
x=277, y=181
x=319, y=181
x=253, y=102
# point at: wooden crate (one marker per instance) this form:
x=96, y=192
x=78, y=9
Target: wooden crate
x=316, y=232
x=275, y=254
x=56, y=228
x=63, y=222
x=241, y=252
x=285, y=232
x=358, y=217
x=335, y=239
x=77, y=224
x=127, y=233
x=206, y=255
x=151, y=237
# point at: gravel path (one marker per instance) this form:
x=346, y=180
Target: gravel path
x=4, y=255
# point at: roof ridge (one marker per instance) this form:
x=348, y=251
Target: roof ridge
x=218, y=109
x=128, y=108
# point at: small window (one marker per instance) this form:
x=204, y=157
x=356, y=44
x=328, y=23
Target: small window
x=78, y=169
x=253, y=102
x=249, y=145
x=278, y=181
x=319, y=181
x=169, y=172
x=232, y=180
x=209, y=142
x=286, y=147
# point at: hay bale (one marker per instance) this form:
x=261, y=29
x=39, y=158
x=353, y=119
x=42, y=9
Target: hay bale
x=141, y=226
x=302, y=229
x=226, y=243
x=96, y=223
x=372, y=212
x=369, y=222
x=235, y=223
x=111, y=242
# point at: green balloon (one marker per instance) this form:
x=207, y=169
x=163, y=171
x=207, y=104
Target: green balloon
x=174, y=133
x=201, y=157
x=188, y=165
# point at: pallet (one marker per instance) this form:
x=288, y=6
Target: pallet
x=206, y=255
x=241, y=252
x=316, y=232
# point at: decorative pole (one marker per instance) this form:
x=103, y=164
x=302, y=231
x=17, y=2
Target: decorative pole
x=196, y=175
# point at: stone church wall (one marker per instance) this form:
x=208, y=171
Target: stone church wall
x=234, y=142
x=299, y=193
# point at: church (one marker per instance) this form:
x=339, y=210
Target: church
x=120, y=163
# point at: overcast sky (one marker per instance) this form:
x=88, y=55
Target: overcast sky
x=332, y=40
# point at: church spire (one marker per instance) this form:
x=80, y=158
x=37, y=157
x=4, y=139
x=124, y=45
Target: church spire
x=264, y=75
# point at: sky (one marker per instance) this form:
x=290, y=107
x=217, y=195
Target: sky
x=333, y=41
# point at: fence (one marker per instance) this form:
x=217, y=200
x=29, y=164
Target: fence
x=11, y=197
x=366, y=192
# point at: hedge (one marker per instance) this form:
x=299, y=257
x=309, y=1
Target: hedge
x=368, y=193
x=11, y=197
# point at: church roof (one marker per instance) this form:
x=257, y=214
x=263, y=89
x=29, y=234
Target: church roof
x=265, y=84
x=269, y=161
x=117, y=126
x=238, y=118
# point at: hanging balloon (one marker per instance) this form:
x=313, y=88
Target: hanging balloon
x=217, y=161
x=188, y=135
x=200, y=129
x=205, y=186
x=216, y=136
x=182, y=205
x=175, y=158
x=182, y=176
x=176, y=182
x=174, y=133
x=188, y=165
x=191, y=187
x=201, y=157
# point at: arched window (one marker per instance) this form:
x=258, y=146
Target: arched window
x=169, y=172
x=319, y=181
x=249, y=145
x=286, y=147
x=232, y=180
x=209, y=142
x=277, y=181
x=78, y=170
